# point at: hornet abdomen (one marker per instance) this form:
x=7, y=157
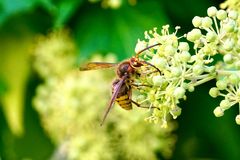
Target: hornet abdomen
x=123, y=98
x=124, y=102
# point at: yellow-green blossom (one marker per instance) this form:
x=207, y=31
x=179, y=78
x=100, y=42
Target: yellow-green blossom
x=216, y=34
x=54, y=54
x=114, y=4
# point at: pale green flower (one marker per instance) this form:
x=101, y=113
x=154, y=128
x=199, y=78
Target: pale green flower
x=216, y=34
x=54, y=54
x=113, y=4
x=179, y=72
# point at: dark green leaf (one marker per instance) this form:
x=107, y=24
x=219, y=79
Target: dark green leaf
x=3, y=86
x=105, y=30
x=10, y=7
x=61, y=10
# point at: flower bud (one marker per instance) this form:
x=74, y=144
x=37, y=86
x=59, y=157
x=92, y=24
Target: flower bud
x=228, y=58
x=185, y=56
x=198, y=69
x=206, y=22
x=229, y=27
x=191, y=88
x=225, y=104
x=197, y=21
x=214, y=92
x=221, y=14
x=218, y=112
x=183, y=46
x=194, y=35
x=221, y=84
x=179, y=92
x=212, y=11
x=237, y=119
x=211, y=36
x=207, y=49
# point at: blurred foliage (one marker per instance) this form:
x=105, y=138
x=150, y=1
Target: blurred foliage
x=97, y=29
x=116, y=30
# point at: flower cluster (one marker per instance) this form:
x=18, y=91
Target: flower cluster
x=71, y=106
x=61, y=59
x=232, y=5
x=114, y=4
x=221, y=37
x=180, y=72
x=215, y=34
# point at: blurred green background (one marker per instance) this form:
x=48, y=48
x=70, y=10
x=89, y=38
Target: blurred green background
x=98, y=28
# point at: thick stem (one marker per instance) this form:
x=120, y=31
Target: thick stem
x=204, y=80
x=220, y=73
x=227, y=73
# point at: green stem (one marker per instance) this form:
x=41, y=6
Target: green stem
x=204, y=80
x=227, y=73
x=239, y=107
x=216, y=25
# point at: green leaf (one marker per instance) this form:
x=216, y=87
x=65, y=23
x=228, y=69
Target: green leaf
x=15, y=69
x=105, y=30
x=61, y=10
x=3, y=86
x=65, y=10
x=10, y=7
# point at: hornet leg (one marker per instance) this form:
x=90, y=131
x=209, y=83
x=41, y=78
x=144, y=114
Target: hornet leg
x=138, y=105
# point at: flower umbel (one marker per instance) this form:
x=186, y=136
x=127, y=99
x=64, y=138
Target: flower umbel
x=180, y=72
x=215, y=34
x=222, y=38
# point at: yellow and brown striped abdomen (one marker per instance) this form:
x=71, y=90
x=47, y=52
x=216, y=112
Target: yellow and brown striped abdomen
x=124, y=102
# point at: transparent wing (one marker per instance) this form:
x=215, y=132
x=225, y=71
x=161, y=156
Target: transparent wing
x=114, y=96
